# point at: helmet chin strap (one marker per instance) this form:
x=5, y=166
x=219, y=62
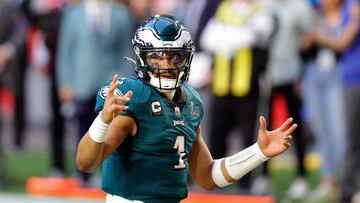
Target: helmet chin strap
x=164, y=85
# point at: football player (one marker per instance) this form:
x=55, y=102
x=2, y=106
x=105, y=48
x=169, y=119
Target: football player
x=147, y=134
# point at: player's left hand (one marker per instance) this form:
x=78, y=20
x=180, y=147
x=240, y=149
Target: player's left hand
x=275, y=142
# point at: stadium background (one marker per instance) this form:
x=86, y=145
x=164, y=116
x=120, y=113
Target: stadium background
x=34, y=159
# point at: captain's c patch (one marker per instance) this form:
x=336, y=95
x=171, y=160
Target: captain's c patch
x=156, y=108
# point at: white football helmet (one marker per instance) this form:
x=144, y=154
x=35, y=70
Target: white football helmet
x=163, y=35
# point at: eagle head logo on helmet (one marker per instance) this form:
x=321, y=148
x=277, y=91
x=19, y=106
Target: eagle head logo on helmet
x=163, y=33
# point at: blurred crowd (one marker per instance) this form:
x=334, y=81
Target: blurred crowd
x=252, y=57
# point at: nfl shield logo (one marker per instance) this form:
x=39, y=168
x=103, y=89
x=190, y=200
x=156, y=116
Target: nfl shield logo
x=177, y=110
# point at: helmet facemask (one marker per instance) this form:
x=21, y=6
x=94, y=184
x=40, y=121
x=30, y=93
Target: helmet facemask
x=164, y=50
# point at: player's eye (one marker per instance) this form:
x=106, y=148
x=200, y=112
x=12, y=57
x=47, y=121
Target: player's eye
x=154, y=55
x=177, y=57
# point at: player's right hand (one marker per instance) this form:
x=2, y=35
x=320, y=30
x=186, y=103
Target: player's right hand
x=114, y=104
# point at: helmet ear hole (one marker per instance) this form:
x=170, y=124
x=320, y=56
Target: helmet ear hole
x=162, y=33
x=136, y=50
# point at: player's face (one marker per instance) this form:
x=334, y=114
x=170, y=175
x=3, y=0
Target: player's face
x=166, y=64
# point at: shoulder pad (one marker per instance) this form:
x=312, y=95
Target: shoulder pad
x=194, y=93
x=141, y=91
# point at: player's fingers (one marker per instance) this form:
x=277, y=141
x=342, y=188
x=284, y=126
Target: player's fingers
x=287, y=144
x=121, y=100
x=262, y=124
x=122, y=107
x=126, y=97
x=291, y=129
x=113, y=85
x=286, y=124
x=118, y=107
x=115, y=78
x=288, y=138
x=128, y=94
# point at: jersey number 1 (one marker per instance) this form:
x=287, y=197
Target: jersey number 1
x=180, y=146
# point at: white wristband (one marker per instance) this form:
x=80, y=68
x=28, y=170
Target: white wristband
x=241, y=163
x=98, y=130
x=238, y=164
x=217, y=174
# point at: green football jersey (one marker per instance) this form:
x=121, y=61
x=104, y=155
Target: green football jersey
x=152, y=166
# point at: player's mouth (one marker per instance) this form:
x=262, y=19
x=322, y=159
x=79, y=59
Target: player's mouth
x=168, y=75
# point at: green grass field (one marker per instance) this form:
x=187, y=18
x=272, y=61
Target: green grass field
x=22, y=198
x=21, y=165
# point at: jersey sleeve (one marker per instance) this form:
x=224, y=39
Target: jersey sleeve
x=140, y=94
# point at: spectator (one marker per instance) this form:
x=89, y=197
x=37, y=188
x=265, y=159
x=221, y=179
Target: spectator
x=348, y=44
x=350, y=41
x=323, y=97
x=94, y=38
x=12, y=38
x=238, y=36
x=294, y=18
x=44, y=17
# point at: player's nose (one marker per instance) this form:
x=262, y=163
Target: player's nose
x=166, y=63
